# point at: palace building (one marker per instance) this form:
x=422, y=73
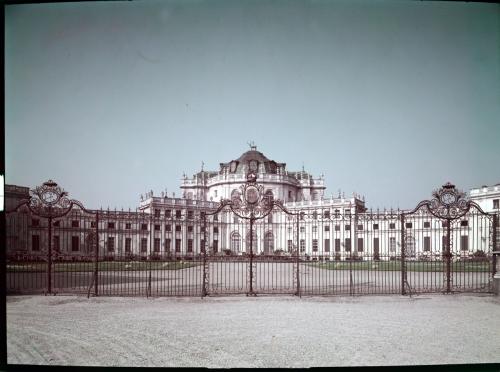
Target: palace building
x=318, y=227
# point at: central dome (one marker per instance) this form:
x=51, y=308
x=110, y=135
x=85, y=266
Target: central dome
x=253, y=155
x=251, y=160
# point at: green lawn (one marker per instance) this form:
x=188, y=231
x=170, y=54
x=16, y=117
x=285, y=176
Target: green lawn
x=103, y=266
x=417, y=266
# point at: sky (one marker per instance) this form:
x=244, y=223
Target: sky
x=388, y=99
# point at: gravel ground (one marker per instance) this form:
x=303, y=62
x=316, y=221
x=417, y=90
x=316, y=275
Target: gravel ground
x=223, y=332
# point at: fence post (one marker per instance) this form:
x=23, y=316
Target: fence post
x=403, y=254
x=251, y=254
x=494, y=242
x=448, y=256
x=49, y=259
x=148, y=290
x=298, y=257
x=351, y=289
x=96, y=255
x=204, y=255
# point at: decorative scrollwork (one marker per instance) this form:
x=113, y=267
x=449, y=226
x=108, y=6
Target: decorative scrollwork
x=50, y=201
x=448, y=203
x=251, y=202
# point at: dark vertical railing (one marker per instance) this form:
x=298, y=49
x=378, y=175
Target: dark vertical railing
x=96, y=255
x=204, y=291
x=49, y=259
x=448, y=256
x=403, y=254
x=351, y=246
x=494, y=244
x=148, y=291
x=298, y=256
x=252, y=218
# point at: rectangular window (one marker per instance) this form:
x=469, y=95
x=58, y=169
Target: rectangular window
x=464, y=223
x=444, y=223
x=156, y=246
x=157, y=213
x=360, y=245
x=58, y=223
x=427, y=243
x=347, y=244
x=337, y=245
x=327, y=245
x=348, y=227
x=167, y=245
x=216, y=229
x=270, y=218
x=56, y=243
x=178, y=227
x=190, y=228
x=190, y=245
x=128, y=245
x=111, y=225
x=144, y=226
x=290, y=245
x=302, y=245
x=464, y=242
x=376, y=248
x=168, y=213
x=409, y=225
x=177, y=245
x=496, y=203
x=315, y=215
x=337, y=227
x=35, y=222
x=360, y=227
x=157, y=227
x=336, y=213
x=392, y=244
x=326, y=214
x=168, y=227
x=302, y=229
x=75, y=243
x=190, y=215
x=235, y=219
x=315, y=229
x=315, y=245
x=327, y=227
x=128, y=226
x=178, y=214
x=427, y=224
x=35, y=242
x=392, y=225
x=375, y=226
x=347, y=212
x=111, y=244
x=144, y=245
x=216, y=217
x=75, y=223
x=215, y=246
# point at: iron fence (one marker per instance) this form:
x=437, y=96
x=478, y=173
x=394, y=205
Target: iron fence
x=249, y=248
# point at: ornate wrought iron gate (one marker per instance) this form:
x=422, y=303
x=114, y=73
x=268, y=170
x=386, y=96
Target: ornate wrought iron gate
x=261, y=245
x=457, y=255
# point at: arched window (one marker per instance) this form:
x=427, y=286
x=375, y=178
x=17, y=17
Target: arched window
x=235, y=241
x=269, y=242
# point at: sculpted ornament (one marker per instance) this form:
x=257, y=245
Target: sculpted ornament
x=447, y=203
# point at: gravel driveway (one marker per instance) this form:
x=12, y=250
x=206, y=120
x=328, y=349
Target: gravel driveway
x=253, y=332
